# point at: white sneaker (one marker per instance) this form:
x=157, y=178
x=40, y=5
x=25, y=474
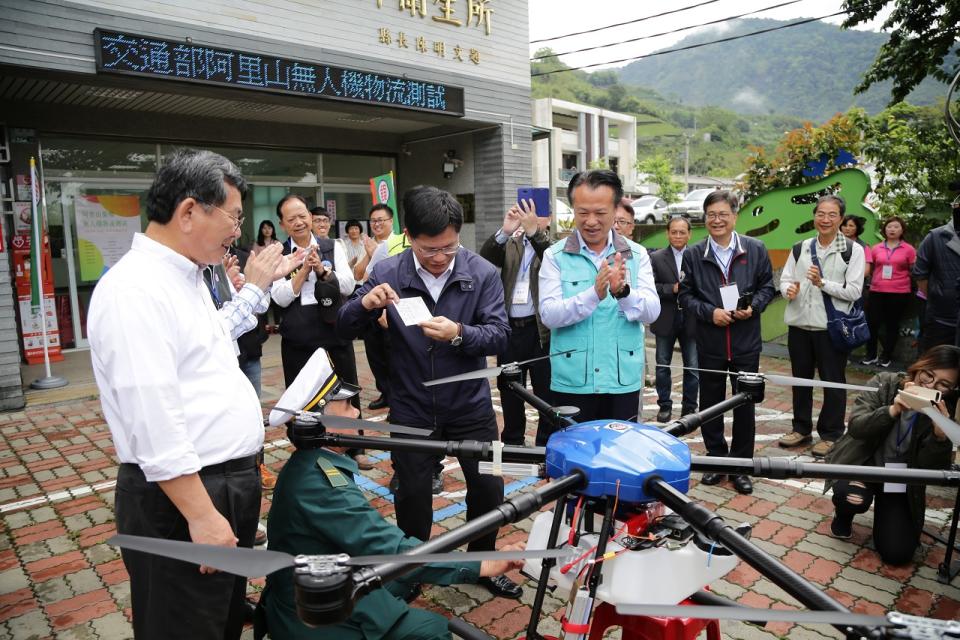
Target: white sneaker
x=885, y=365
x=873, y=360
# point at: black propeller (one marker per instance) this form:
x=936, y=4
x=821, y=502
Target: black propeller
x=254, y=563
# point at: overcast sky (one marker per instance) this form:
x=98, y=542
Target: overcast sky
x=551, y=18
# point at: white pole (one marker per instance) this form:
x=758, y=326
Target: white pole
x=49, y=381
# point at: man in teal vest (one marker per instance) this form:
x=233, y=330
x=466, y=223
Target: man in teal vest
x=596, y=291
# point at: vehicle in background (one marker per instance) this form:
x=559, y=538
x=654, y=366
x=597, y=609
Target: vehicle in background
x=650, y=210
x=691, y=207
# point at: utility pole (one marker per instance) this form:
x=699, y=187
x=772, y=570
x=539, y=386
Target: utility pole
x=686, y=163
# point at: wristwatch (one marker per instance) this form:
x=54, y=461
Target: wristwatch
x=457, y=339
x=623, y=293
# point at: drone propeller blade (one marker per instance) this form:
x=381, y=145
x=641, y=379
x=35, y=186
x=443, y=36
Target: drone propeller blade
x=677, y=366
x=241, y=561
x=552, y=355
x=341, y=422
x=749, y=614
x=490, y=372
x=463, y=556
x=950, y=428
x=791, y=381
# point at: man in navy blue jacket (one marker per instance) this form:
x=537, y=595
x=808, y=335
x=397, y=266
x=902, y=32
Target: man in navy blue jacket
x=728, y=282
x=464, y=294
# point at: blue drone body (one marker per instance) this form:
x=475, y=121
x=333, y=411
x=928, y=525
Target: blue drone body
x=607, y=451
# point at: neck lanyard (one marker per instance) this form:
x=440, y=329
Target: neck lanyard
x=726, y=266
x=212, y=285
x=901, y=438
x=527, y=258
x=890, y=251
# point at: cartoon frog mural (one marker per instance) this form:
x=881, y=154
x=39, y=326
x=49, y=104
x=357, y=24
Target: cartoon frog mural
x=782, y=217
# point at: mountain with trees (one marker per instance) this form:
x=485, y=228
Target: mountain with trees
x=809, y=71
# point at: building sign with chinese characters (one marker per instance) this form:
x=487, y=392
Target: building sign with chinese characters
x=130, y=54
x=471, y=14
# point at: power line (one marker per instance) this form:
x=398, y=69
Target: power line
x=692, y=46
x=666, y=33
x=620, y=24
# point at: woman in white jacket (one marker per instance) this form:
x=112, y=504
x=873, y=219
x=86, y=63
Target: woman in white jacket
x=839, y=276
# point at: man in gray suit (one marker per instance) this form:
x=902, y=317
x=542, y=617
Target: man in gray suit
x=673, y=324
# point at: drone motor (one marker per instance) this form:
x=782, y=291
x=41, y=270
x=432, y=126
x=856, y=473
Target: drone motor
x=323, y=590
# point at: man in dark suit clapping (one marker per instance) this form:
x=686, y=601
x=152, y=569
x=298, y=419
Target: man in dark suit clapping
x=673, y=324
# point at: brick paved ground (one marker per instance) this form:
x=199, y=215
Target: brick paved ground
x=59, y=579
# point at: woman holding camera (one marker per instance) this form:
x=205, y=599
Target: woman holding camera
x=885, y=432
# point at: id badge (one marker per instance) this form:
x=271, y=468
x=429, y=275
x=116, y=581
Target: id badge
x=521, y=292
x=886, y=272
x=895, y=487
x=729, y=295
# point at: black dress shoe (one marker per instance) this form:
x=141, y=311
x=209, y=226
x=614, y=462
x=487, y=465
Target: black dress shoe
x=502, y=587
x=712, y=478
x=413, y=594
x=743, y=484
x=663, y=415
x=378, y=403
x=688, y=411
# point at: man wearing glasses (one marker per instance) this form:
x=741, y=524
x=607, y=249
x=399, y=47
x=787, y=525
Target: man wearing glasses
x=468, y=322
x=804, y=285
x=728, y=282
x=623, y=220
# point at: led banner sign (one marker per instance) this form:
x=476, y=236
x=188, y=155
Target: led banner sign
x=130, y=54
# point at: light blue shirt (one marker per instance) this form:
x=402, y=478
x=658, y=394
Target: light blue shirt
x=725, y=256
x=641, y=305
x=678, y=257
x=523, y=275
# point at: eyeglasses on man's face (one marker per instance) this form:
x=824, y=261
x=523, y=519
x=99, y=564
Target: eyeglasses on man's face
x=379, y=220
x=718, y=216
x=237, y=219
x=433, y=252
x=621, y=222
x=826, y=215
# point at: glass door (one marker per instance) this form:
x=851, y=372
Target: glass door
x=92, y=223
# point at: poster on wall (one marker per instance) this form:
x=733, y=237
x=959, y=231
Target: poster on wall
x=21, y=217
x=105, y=228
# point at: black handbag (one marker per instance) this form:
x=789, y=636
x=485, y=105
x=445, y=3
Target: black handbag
x=849, y=330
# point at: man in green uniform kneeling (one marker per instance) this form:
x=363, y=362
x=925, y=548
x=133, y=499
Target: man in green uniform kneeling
x=318, y=510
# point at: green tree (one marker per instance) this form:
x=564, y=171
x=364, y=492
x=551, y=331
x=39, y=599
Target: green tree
x=923, y=34
x=785, y=166
x=599, y=163
x=915, y=160
x=660, y=173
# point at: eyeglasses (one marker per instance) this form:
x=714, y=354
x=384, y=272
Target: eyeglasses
x=430, y=253
x=718, y=216
x=237, y=221
x=379, y=220
x=927, y=379
x=830, y=215
x=622, y=223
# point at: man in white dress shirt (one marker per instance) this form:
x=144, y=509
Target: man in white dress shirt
x=185, y=421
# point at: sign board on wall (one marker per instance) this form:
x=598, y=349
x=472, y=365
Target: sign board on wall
x=105, y=228
x=129, y=54
x=31, y=328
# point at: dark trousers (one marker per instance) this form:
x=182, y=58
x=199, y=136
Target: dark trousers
x=170, y=597
x=884, y=311
x=414, y=500
x=895, y=534
x=601, y=406
x=713, y=389
x=691, y=379
x=936, y=333
x=809, y=351
x=376, y=344
x=524, y=344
